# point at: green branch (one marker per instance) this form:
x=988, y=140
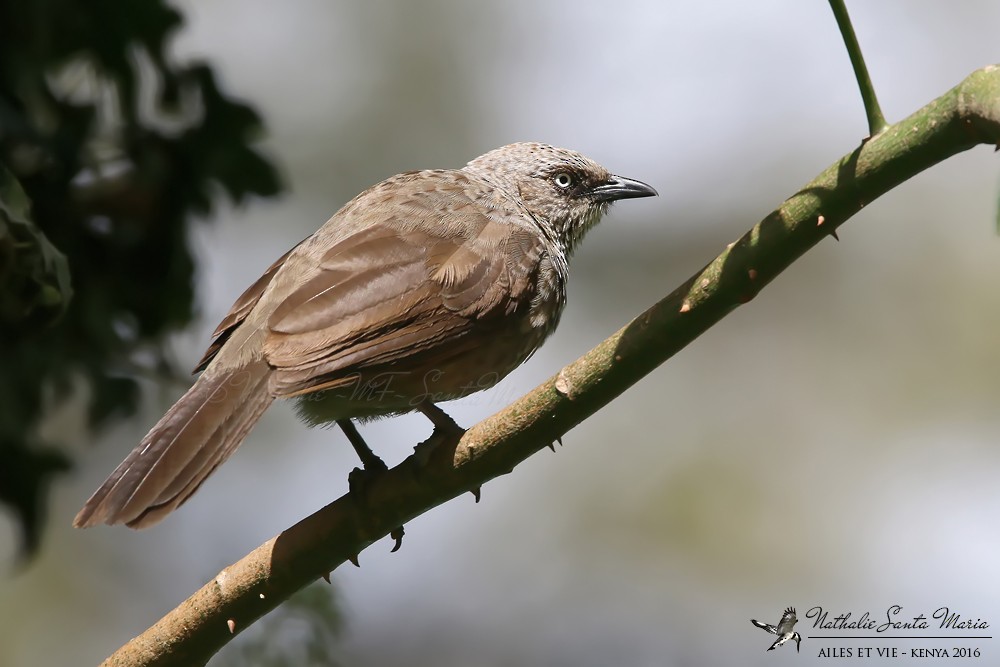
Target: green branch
x=876, y=121
x=190, y=634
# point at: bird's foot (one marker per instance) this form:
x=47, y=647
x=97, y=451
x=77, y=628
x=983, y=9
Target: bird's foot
x=360, y=480
x=359, y=483
x=445, y=429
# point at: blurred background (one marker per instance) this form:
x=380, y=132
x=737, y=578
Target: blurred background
x=832, y=443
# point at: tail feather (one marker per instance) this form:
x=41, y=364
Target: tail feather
x=196, y=435
x=226, y=439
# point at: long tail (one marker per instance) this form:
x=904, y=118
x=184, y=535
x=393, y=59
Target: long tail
x=196, y=435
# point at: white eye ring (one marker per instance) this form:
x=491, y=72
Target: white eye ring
x=563, y=180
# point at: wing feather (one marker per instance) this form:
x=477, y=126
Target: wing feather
x=239, y=311
x=390, y=292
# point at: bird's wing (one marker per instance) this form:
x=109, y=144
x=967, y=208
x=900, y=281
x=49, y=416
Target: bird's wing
x=391, y=292
x=244, y=304
x=767, y=627
x=788, y=620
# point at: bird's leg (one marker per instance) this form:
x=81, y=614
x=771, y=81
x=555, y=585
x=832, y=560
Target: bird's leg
x=371, y=462
x=442, y=422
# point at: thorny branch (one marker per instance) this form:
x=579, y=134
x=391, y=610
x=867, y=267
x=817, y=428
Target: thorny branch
x=964, y=117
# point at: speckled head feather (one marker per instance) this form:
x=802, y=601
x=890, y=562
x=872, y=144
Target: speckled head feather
x=565, y=191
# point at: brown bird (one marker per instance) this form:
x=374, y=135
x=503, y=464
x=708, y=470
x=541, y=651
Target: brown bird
x=427, y=287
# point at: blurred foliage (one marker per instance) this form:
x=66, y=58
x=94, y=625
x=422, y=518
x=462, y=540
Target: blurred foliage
x=107, y=148
x=302, y=631
x=34, y=276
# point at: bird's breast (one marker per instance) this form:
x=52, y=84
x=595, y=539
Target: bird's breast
x=478, y=361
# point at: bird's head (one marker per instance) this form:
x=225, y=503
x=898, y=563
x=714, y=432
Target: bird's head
x=562, y=189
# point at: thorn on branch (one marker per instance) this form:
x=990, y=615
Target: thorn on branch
x=354, y=560
x=833, y=232
x=326, y=577
x=477, y=493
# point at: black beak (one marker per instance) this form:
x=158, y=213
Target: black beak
x=619, y=187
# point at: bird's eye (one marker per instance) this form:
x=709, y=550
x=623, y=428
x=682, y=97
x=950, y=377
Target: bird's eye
x=563, y=180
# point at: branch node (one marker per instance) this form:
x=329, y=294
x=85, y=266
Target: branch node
x=563, y=385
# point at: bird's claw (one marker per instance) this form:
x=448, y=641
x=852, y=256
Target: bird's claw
x=397, y=534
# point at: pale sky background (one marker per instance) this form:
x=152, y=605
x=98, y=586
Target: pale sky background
x=832, y=443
